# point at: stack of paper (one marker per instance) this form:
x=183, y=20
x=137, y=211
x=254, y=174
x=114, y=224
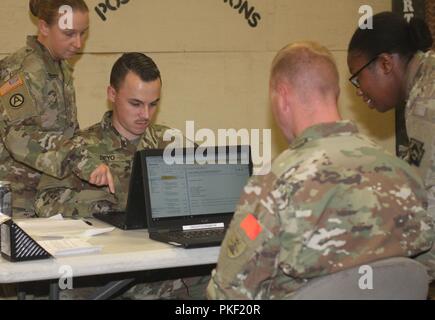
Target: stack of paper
x=67, y=247
x=62, y=237
x=4, y=218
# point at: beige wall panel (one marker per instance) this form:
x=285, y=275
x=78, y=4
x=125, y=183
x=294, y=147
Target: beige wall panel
x=215, y=66
x=16, y=22
x=330, y=22
x=202, y=25
x=218, y=91
x=174, y=25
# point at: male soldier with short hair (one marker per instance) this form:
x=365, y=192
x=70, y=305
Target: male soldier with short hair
x=134, y=92
x=333, y=200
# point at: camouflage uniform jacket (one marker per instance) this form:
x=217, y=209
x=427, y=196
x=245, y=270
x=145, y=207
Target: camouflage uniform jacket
x=420, y=120
x=37, y=112
x=72, y=196
x=332, y=201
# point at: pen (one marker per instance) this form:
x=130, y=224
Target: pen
x=88, y=223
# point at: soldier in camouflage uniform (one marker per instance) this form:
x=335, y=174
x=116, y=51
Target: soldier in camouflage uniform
x=393, y=65
x=38, y=114
x=73, y=197
x=332, y=201
x=134, y=92
x=420, y=120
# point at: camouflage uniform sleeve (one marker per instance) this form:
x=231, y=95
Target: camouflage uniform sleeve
x=247, y=258
x=30, y=136
x=420, y=126
x=54, y=194
x=428, y=260
x=48, y=152
x=73, y=197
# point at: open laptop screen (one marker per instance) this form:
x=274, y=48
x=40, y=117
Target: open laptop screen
x=191, y=189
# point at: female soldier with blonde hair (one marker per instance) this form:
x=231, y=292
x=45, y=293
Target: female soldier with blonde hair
x=38, y=113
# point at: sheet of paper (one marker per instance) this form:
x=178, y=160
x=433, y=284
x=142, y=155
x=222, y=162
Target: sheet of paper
x=96, y=231
x=4, y=218
x=56, y=217
x=66, y=228
x=67, y=247
x=58, y=236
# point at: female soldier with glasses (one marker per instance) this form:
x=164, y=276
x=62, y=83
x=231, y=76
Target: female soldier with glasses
x=392, y=66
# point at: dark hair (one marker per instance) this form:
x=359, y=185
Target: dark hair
x=48, y=10
x=393, y=34
x=136, y=62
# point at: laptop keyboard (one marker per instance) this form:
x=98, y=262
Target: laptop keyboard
x=197, y=234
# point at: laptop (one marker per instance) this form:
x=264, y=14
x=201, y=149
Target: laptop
x=134, y=215
x=190, y=203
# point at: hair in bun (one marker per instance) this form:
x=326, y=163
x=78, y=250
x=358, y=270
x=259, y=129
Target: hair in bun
x=48, y=10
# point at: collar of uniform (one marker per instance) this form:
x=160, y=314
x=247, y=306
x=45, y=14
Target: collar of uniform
x=67, y=71
x=323, y=130
x=413, y=69
x=118, y=141
x=52, y=66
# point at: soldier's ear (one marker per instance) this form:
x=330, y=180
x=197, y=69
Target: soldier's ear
x=43, y=27
x=386, y=61
x=111, y=94
x=283, y=98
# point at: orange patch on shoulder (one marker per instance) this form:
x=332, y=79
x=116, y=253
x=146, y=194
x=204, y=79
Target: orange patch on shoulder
x=251, y=227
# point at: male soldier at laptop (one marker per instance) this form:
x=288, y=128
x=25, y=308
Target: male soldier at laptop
x=134, y=92
x=333, y=200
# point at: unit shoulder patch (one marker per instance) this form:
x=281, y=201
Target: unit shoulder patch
x=16, y=100
x=235, y=245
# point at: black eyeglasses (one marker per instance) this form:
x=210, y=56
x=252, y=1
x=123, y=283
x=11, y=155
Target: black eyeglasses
x=354, y=78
